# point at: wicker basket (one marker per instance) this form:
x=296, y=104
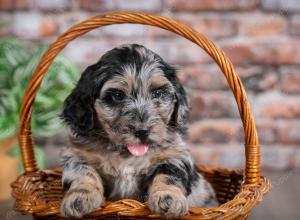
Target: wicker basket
x=40, y=192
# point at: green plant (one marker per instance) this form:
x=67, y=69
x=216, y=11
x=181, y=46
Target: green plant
x=17, y=63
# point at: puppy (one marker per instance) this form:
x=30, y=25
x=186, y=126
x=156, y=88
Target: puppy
x=127, y=118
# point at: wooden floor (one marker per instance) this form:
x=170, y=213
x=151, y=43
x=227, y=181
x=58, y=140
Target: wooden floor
x=283, y=202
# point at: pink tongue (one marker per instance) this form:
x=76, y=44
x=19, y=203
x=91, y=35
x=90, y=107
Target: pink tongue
x=137, y=149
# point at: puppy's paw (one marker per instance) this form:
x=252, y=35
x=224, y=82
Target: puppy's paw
x=77, y=203
x=170, y=204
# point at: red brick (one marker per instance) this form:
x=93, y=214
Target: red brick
x=187, y=53
x=237, y=51
x=137, y=5
x=53, y=5
x=179, y=51
x=67, y=20
x=210, y=25
x=33, y=25
x=287, y=51
x=290, y=132
x=212, y=5
x=219, y=156
x=277, y=105
x=212, y=105
x=257, y=24
x=268, y=132
x=154, y=32
x=212, y=131
x=277, y=157
x=21, y=4
x=124, y=30
x=295, y=25
x=10, y=5
x=87, y=51
x=97, y=5
x=6, y=5
x=263, y=51
x=131, y=5
x=257, y=78
x=203, y=77
x=48, y=27
x=247, y=52
x=197, y=104
x=282, y=6
x=290, y=79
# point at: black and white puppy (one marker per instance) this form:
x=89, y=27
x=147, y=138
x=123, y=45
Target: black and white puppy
x=127, y=118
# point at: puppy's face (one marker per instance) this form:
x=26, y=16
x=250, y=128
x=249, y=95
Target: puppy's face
x=135, y=106
x=131, y=97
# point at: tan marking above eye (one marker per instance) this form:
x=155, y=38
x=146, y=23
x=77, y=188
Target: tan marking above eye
x=128, y=81
x=157, y=81
x=119, y=82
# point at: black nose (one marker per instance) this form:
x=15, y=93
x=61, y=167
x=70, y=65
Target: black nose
x=141, y=134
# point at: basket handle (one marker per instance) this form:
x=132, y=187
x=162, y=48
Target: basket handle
x=252, y=171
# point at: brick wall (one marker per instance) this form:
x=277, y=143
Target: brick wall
x=261, y=37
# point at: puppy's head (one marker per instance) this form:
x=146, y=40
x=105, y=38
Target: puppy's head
x=131, y=97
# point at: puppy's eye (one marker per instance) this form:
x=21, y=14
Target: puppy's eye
x=114, y=95
x=117, y=96
x=157, y=93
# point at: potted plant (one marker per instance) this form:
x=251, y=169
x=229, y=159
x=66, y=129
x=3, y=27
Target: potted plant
x=18, y=60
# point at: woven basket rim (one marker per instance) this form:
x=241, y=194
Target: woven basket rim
x=240, y=205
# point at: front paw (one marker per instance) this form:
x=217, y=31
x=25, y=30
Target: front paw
x=77, y=203
x=168, y=203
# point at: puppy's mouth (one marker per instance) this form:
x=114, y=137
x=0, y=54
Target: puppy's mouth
x=137, y=149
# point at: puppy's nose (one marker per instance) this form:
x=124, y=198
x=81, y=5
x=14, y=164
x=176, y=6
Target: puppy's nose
x=141, y=133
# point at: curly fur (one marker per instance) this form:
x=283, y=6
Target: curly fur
x=129, y=89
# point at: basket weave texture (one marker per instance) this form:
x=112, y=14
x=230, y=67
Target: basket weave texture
x=40, y=192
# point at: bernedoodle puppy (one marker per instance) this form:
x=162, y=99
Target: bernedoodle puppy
x=127, y=118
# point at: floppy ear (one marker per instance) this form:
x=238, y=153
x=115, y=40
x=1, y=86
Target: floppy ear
x=78, y=111
x=181, y=105
x=181, y=109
